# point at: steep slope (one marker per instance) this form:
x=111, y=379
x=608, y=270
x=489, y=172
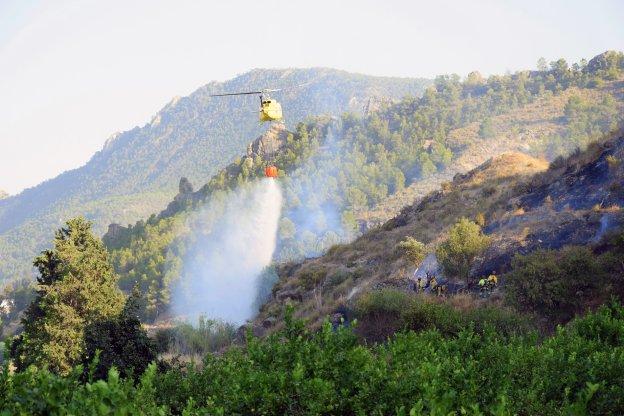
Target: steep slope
x=137, y=171
x=526, y=206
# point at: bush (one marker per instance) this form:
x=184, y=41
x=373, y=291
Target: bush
x=337, y=277
x=397, y=310
x=411, y=249
x=579, y=370
x=185, y=339
x=486, y=129
x=312, y=277
x=554, y=282
x=464, y=243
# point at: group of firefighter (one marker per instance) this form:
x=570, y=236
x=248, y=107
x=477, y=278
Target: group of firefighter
x=430, y=282
x=486, y=285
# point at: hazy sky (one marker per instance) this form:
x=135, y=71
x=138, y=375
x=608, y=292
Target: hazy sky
x=74, y=72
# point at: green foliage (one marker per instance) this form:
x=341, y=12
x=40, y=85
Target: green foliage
x=185, y=339
x=578, y=370
x=486, y=129
x=585, y=122
x=40, y=392
x=118, y=342
x=287, y=229
x=465, y=241
x=381, y=313
x=77, y=287
x=20, y=293
x=412, y=249
x=555, y=283
x=312, y=277
x=149, y=255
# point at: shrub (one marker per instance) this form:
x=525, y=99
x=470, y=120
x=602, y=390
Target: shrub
x=120, y=342
x=337, y=277
x=264, y=286
x=208, y=336
x=486, y=129
x=554, y=282
x=402, y=310
x=613, y=161
x=578, y=370
x=312, y=276
x=411, y=249
x=464, y=243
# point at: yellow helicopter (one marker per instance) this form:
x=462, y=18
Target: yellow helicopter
x=270, y=109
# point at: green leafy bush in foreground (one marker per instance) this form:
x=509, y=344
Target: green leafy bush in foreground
x=381, y=313
x=579, y=370
x=560, y=283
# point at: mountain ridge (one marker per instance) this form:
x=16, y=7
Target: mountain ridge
x=190, y=136
x=353, y=164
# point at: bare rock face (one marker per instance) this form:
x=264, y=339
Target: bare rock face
x=374, y=104
x=256, y=330
x=269, y=322
x=114, y=230
x=289, y=294
x=185, y=186
x=603, y=61
x=185, y=191
x=269, y=143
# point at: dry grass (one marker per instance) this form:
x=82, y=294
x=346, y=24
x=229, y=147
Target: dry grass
x=372, y=257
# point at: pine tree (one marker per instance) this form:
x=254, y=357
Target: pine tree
x=120, y=342
x=76, y=288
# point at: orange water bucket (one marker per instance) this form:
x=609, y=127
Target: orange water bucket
x=270, y=172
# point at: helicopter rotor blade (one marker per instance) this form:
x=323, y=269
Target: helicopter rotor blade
x=297, y=86
x=237, y=93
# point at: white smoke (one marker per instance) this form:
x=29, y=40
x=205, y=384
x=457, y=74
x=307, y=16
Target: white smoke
x=231, y=241
x=314, y=203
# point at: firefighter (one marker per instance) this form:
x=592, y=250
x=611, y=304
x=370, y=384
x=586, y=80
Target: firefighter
x=492, y=281
x=419, y=285
x=482, y=285
x=433, y=283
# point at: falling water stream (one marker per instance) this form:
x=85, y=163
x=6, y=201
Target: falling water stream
x=231, y=242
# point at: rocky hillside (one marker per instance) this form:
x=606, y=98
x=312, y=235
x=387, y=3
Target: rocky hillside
x=137, y=171
x=523, y=203
x=335, y=171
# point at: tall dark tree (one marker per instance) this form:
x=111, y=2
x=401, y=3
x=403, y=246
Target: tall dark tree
x=120, y=342
x=77, y=287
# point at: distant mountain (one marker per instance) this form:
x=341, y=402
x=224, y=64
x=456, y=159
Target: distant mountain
x=137, y=171
x=3, y=194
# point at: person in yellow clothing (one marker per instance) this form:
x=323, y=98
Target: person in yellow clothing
x=492, y=281
x=433, y=283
